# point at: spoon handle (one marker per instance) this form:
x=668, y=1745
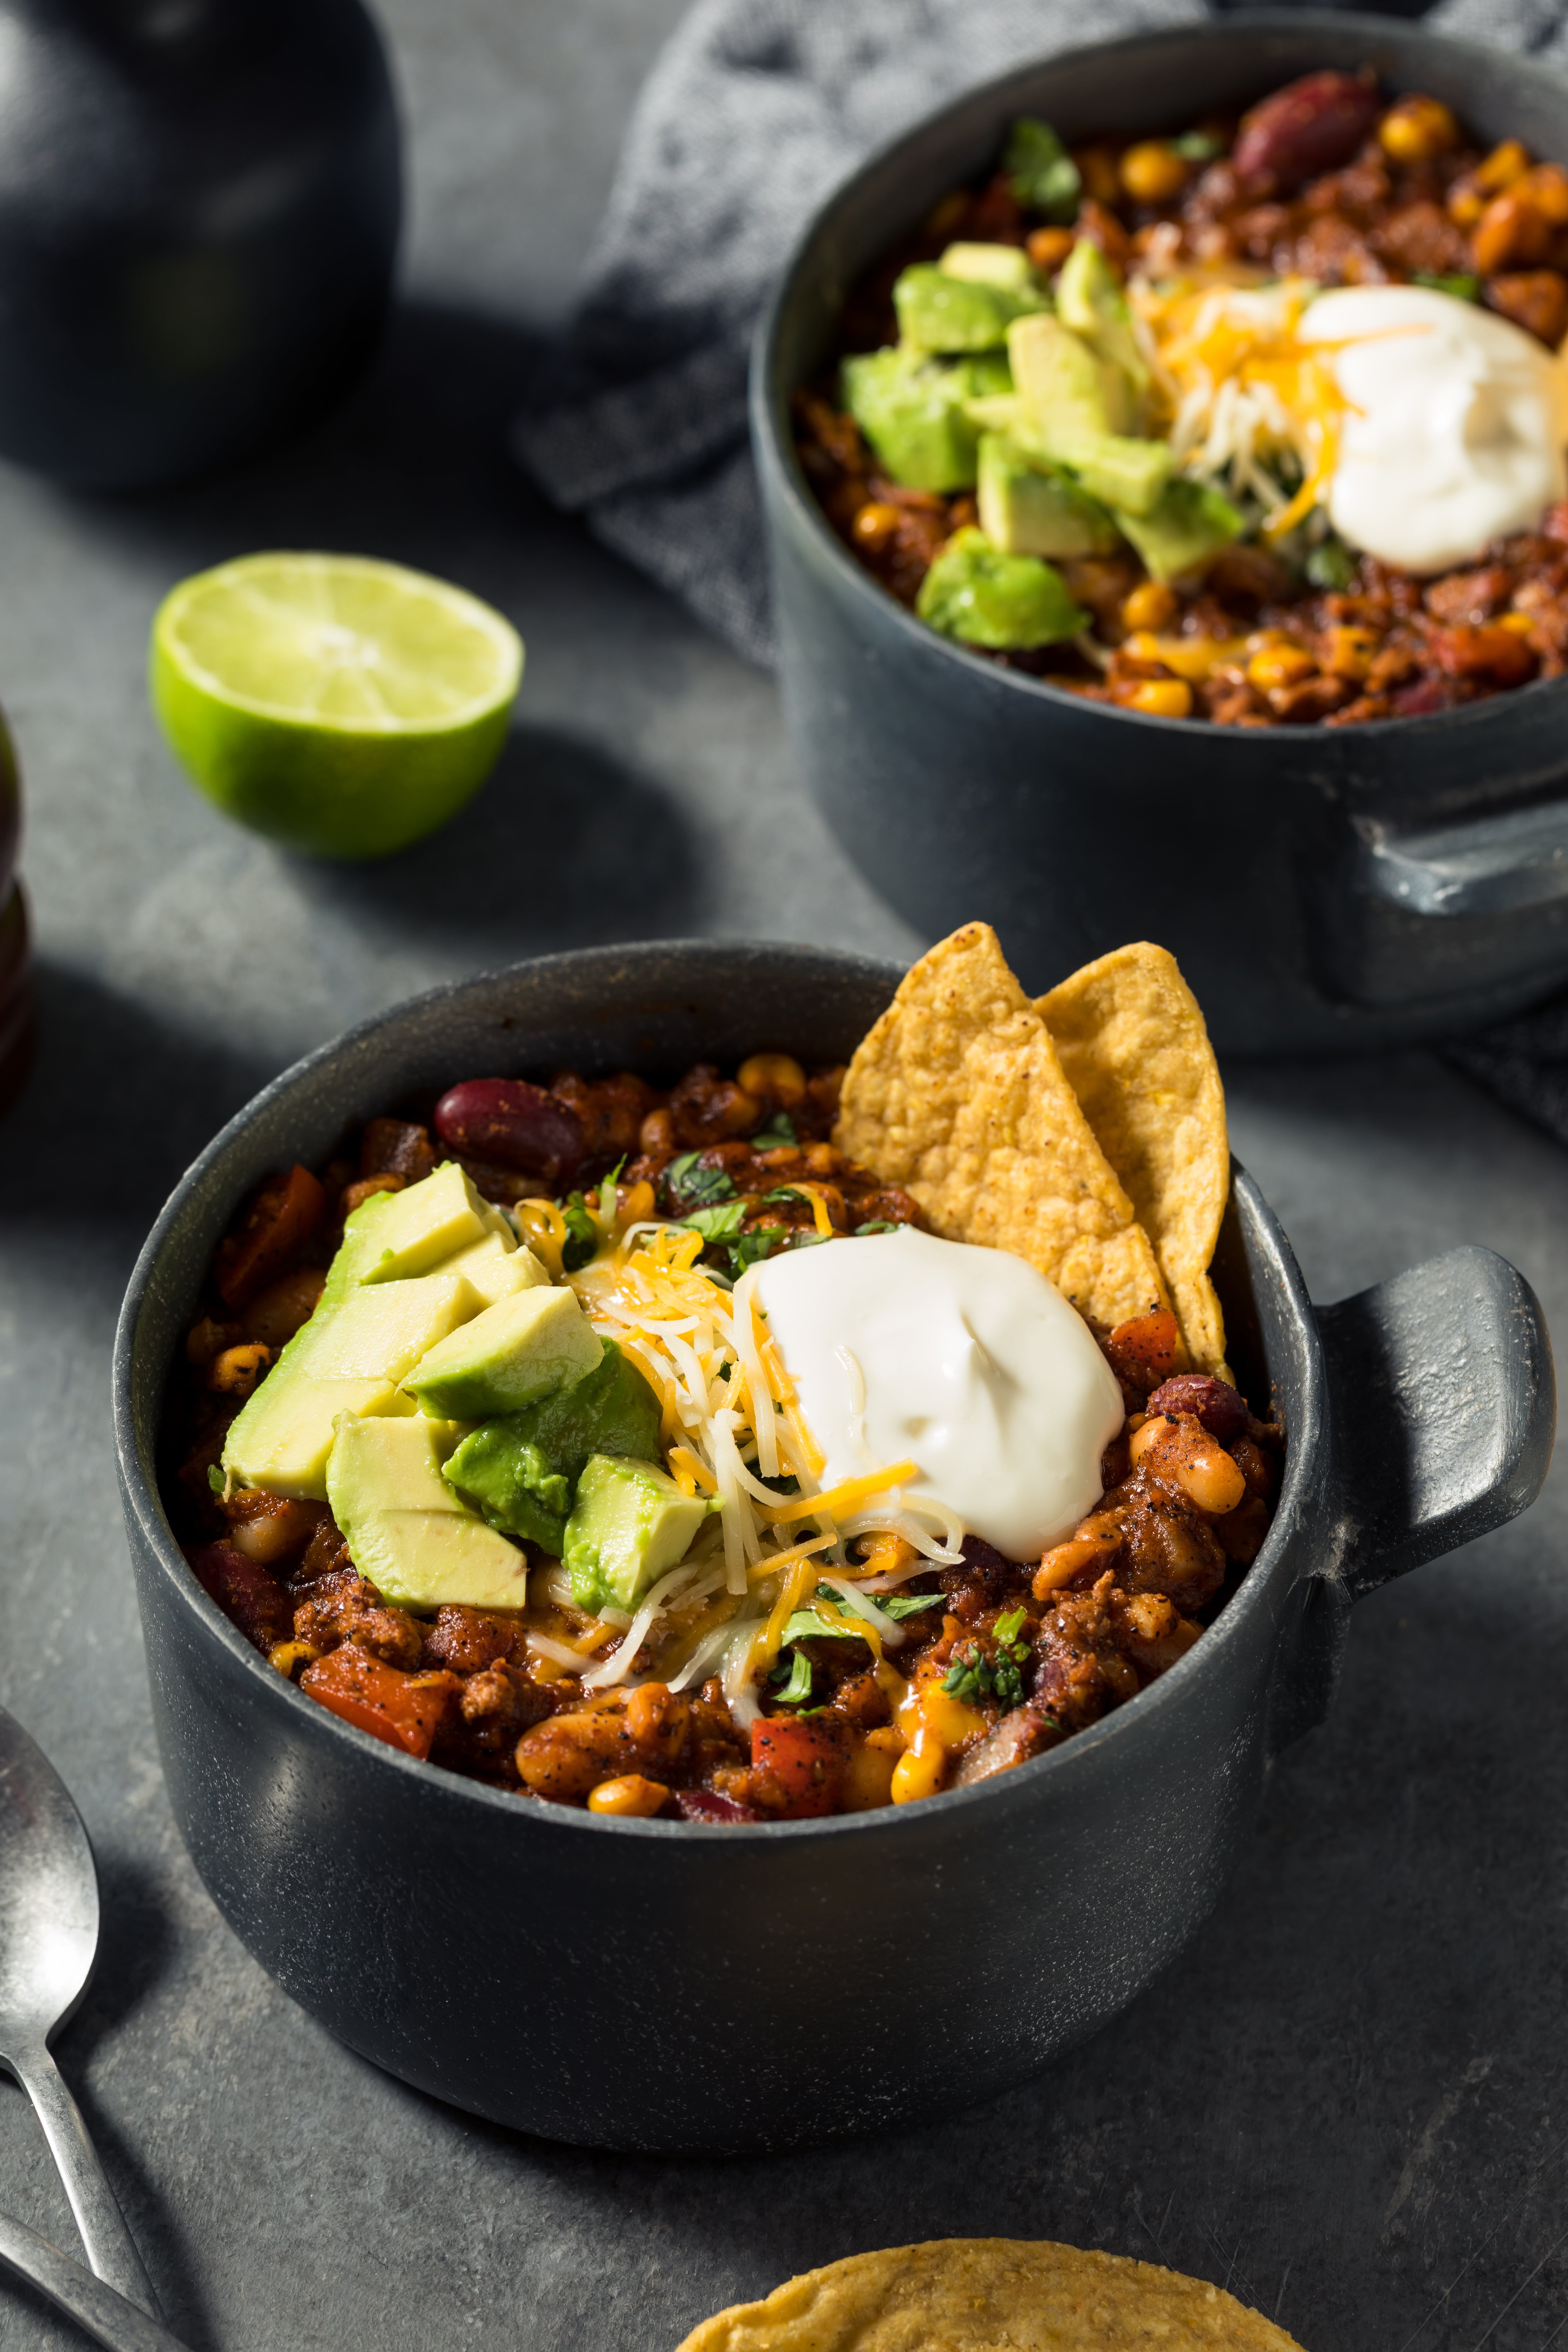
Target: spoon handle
x=110, y=2246
x=107, y=2316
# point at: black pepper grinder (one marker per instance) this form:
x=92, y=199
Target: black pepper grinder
x=199, y=204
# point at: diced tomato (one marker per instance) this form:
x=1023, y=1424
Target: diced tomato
x=406, y=1710
x=805, y=1759
x=249, y=1597
x=1147, y=1349
x=284, y=1215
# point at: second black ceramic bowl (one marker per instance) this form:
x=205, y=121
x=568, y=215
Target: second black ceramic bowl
x=1321, y=887
x=658, y=1985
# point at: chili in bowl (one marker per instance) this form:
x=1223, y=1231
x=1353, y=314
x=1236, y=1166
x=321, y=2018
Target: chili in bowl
x=642, y=1980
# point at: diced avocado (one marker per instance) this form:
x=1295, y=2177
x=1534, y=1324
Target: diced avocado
x=975, y=593
x=1091, y=301
x=520, y=1469
x=629, y=1523
x=537, y=1340
x=406, y=1531
x=347, y=1360
x=1044, y=176
x=939, y=313
x=911, y=411
x=990, y=265
x=358, y=1249
x=1187, y=528
x=1075, y=394
x=283, y=1435
x=497, y=1268
x=1029, y=509
x=1127, y=474
x=431, y=1221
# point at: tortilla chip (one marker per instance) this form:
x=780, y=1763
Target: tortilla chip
x=991, y=2295
x=958, y=1095
x=1133, y=1045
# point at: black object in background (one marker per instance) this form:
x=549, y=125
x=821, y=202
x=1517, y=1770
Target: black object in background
x=199, y=206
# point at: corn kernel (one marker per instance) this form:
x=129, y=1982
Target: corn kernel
x=776, y=1078
x=1152, y=172
x=1503, y=166
x=1279, y=665
x=1547, y=189
x=630, y=1797
x=1520, y=624
x=1416, y=128
x=1158, y=697
x=290, y=1655
x=875, y=523
x=1466, y=205
x=1047, y=249
x=918, y=1772
x=1151, y=606
x=1348, y=652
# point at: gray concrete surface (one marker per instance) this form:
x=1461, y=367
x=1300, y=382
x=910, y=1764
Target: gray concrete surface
x=1349, y=2100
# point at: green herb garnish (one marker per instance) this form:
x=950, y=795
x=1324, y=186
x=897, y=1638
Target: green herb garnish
x=1197, y=147
x=1331, y=566
x=582, y=1234
x=1458, y=283
x=905, y=1604
x=692, y=1187
x=215, y=1478
x=750, y=1249
x=1007, y=1629
x=719, y=1222
x=797, y=1689
x=972, y=1675
x=876, y=1226
x=1045, y=177
x=778, y=1133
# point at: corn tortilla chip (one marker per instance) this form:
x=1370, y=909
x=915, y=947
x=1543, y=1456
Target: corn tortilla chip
x=991, y=2295
x=1134, y=1044
x=958, y=1095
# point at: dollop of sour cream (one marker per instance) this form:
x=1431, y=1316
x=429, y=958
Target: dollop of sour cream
x=966, y=1361
x=1454, y=426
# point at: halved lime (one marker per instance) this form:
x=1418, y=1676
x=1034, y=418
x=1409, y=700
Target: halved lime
x=338, y=704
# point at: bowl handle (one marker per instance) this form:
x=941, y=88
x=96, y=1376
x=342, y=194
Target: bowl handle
x=1443, y=1406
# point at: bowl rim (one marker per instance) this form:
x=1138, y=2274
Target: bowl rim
x=778, y=455
x=141, y=1496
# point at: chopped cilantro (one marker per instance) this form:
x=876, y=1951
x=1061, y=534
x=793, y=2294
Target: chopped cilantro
x=806, y=1625
x=797, y=1689
x=1045, y=177
x=1197, y=146
x=785, y=1192
x=972, y=1675
x=215, y=1480
x=807, y=1238
x=1331, y=566
x=877, y=1225
x=1007, y=1629
x=719, y=1222
x=692, y=1187
x=750, y=1249
x=1459, y=284
x=778, y=1133
x=783, y=1485
x=905, y=1604
x=582, y=1234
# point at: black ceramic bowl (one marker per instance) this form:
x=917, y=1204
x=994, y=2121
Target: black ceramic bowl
x=1321, y=887
x=648, y=1984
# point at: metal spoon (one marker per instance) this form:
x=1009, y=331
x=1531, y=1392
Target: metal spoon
x=49, y=1942
x=107, y=2316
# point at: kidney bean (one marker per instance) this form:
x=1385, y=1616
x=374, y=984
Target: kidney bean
x=1220, y=1408
x=1311, y=126
x=249, y=1597
x=706, y=1805
x=514, y=1124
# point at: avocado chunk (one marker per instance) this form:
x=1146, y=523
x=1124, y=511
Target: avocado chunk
x=1091, y=300
x=497, y=1267
x=1074, y=394
x=418, y=1228
x=974, y=593
x=522, y=1348
x=630, y=1522
x=1187, y=528
x=1006, y=266
x=1027, y=510
x=912, y=412
x=1128, y=475
x=406, y=1531
x=348, y=1360
x=939, y=313
x=521, y=1469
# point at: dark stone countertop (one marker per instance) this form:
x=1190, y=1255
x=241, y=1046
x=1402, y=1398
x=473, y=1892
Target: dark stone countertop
x=1349, y=2100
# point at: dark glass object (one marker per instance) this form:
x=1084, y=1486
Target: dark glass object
x=199, y=204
